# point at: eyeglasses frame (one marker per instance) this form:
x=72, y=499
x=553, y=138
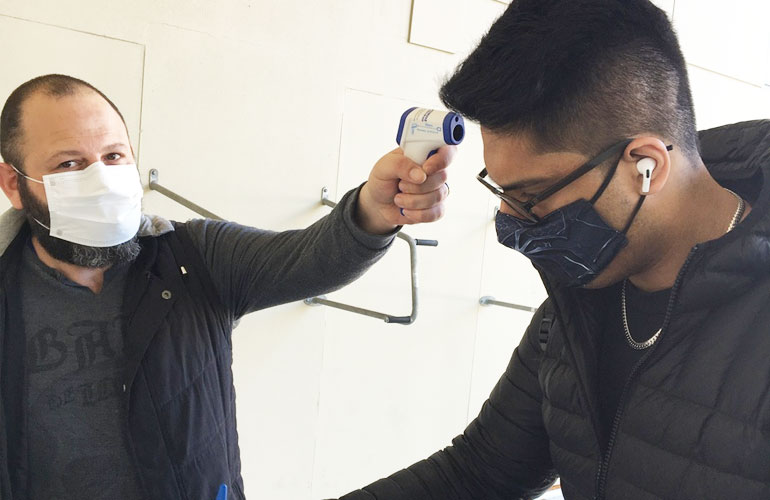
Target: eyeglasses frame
x=525, y=209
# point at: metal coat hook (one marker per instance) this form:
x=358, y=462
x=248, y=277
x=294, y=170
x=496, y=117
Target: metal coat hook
x=179, y=199
x=488, y=300
x=387, y=318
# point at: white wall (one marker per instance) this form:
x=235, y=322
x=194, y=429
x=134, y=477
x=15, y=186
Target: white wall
x=249, y=107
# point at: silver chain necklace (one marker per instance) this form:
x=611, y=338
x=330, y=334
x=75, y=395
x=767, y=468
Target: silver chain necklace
x=737, y=216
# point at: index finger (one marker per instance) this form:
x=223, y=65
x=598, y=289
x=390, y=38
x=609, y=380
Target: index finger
x=440, y=160
x=395, y=166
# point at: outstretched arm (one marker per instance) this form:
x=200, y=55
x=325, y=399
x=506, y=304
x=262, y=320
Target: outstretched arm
x=253, y=268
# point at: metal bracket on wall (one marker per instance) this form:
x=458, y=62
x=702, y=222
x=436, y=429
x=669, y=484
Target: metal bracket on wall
x=179, y=199
x=387, y=318
x=488, y=300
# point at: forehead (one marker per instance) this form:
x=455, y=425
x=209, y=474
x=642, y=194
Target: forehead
x=83, y=121
x=513, y=159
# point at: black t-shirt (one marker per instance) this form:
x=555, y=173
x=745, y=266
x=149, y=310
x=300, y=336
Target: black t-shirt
x=646, y=312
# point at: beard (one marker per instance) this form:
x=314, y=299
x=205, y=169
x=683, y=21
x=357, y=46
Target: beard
x=66, y=251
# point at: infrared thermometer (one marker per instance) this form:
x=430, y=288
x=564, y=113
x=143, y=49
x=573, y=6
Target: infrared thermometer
x=422, y=131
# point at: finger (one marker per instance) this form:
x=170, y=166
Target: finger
x=397, y=216
x=421, y=201
x=440, y=160
x=396, y=166
x=419, y=216
x=433, y=182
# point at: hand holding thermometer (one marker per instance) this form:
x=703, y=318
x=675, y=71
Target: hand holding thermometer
x=422, y=131
x=400, y=189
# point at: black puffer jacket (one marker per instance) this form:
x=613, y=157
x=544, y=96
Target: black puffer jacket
x=695, y=414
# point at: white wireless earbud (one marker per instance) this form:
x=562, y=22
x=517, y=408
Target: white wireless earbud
x=645, y=166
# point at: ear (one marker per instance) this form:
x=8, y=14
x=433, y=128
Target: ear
x=654, y=153
x=9, y=182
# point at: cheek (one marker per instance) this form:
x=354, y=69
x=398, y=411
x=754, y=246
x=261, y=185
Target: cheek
x=616, y=206
x=34, y=191
x=544, y=208
x=38, y=191
x=554, y=202
x=504, y=208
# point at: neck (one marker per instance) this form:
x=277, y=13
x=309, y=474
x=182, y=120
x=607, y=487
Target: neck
x=700, y=214
x=91, y=278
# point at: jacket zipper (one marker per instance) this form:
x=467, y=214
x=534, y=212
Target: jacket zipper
x=601, y=473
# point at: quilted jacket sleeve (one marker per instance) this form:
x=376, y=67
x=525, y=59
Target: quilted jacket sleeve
x=502, y=455
x=253, y=268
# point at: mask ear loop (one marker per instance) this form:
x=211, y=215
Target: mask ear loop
x=24, y=175
x=606, y=183
x=633, y=214
x=33, y=180
x=47, y=228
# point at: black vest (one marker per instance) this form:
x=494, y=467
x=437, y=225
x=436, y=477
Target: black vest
x=178, y=381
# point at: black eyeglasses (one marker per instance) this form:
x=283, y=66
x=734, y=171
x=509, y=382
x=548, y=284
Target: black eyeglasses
x=525, y=209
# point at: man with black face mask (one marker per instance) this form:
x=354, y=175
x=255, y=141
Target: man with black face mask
x=115, y=327
x=646, y=373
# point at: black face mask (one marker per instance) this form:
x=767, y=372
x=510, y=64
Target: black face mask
x=571, y=245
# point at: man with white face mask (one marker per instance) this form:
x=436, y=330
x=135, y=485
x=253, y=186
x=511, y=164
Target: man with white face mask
x=115, y=327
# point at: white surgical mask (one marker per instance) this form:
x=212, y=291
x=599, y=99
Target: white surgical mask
x=99, y=206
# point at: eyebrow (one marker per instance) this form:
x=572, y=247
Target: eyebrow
x=75, y=152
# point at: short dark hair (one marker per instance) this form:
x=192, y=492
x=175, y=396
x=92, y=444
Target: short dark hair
x=10, y=120
x=578, y=75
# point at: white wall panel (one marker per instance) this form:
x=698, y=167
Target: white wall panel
x=277, y=360
x=241, y=129
x=453, y=26
x=730, y=39
x=119, y=20
x=719, y=99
